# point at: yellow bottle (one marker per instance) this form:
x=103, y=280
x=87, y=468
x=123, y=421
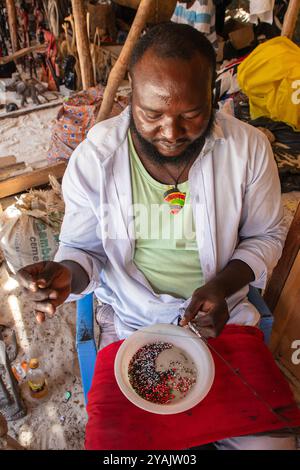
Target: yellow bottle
x=36, y=380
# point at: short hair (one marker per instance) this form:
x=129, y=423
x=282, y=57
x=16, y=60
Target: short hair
x=173, y=40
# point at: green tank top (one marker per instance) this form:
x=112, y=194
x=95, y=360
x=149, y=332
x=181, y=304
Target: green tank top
x=166, y=250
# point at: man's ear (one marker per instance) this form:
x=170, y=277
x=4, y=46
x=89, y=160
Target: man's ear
x=131, y=85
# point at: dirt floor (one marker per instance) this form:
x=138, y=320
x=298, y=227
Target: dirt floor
x=27, y=137
x=52, y=423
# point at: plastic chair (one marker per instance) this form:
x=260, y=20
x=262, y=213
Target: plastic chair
x=85, y=341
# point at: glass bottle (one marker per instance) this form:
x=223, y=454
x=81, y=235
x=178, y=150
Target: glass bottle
x=36, y=380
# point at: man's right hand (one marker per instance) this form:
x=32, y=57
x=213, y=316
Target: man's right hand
x=47, y=284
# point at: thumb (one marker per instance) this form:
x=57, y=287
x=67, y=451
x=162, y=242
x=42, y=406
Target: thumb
x=192, y=310
x=46, y=277
x=26, y=279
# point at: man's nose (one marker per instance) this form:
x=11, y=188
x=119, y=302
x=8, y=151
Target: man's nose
x=172, y=130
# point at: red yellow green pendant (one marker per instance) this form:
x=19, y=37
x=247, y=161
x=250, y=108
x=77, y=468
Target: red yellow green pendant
x=175, y=199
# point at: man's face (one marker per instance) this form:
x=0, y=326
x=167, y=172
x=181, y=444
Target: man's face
x=188, y=3
x=172, y=103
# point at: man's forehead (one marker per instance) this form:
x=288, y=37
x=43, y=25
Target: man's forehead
x=166, y=79
x=152, y=55
x=152, y=67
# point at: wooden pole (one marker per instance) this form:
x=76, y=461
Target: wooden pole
x=118, y=71
x=290, y=19
x=281, y=271
x=33, y=178
x=83, y=45
x=21, y=52
x=12, y=24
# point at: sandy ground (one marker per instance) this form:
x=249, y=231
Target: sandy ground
x=51, y=423
x=27, y=137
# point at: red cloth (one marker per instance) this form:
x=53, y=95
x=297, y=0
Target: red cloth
x=229, y=409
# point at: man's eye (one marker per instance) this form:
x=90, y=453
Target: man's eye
x=152, y=116
x=191, y=115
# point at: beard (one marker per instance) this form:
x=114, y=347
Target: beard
x=192, y=150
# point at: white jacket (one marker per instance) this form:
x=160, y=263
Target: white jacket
x=236, y=200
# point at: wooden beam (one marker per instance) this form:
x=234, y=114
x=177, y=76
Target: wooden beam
x=9, y=170
x=12, y=24
x=286, y=325
x=7, y=160
x=283, y=268
x=22, y=52
x=290, y=19
x=118, y=71
x=30, y=180
x=31, y=108
x=83, y=45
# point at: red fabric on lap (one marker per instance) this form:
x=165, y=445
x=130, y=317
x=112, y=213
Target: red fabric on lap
x=230, y=409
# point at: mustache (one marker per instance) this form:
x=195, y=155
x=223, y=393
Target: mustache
x=188, y=154
x=166, y=141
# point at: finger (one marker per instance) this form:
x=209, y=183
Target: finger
x=40, y=317
x=218, y=317
x=208, y=332
x=203, y=319
x=220, y=314
x=192, y=310
x=45, y=307
x=42, y=294
x=189, y=316
x=184, y=321
x=26, y=280
x=46, y=277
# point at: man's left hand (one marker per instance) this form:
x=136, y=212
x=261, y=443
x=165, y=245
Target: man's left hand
x=207, y=310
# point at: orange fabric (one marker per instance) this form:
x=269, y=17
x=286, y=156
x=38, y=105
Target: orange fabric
x=74, y=120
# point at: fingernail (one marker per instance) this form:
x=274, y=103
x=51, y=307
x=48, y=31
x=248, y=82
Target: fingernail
x=40, y=317
x=50, y=309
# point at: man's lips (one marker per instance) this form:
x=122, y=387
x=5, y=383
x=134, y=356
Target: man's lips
x=171, y=147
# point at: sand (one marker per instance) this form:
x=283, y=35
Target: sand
x=27, y=137
x=50, y=423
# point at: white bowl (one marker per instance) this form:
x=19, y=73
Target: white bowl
x=181, y=338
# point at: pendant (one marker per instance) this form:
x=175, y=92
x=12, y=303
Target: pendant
x=175, y=199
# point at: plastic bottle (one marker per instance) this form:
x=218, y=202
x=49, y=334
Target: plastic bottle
x=36, y=380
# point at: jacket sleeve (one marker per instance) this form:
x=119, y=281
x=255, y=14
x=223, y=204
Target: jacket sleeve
x=261, y=232
x=80, y=238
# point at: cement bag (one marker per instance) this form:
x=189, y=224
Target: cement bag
x=29, y=229
x=269, y=76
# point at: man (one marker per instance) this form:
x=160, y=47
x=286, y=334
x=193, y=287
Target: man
x=173, y=209
x=201, y=15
